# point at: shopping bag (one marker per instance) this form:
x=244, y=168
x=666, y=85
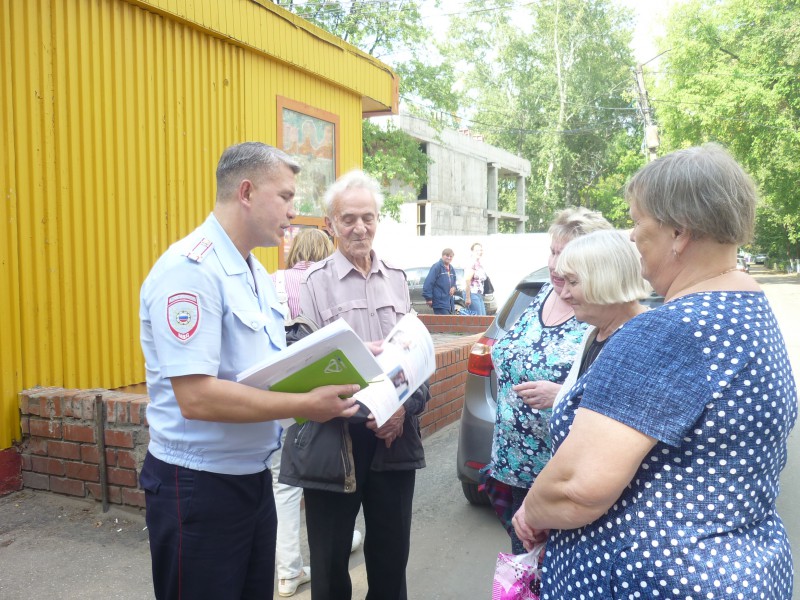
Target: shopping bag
x=517, y=576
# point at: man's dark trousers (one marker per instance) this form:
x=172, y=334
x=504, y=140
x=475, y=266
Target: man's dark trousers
x=331, y=516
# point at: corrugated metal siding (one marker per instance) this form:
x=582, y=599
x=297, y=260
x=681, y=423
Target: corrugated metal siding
x=265, y=27
x=10, y=358
x=113, y=119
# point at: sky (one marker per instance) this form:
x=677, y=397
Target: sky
x=649, y=14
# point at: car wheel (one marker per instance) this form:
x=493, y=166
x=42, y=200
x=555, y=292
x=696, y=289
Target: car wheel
x=473, y=495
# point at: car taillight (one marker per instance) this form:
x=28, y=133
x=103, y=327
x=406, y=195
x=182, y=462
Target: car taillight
x=480, y=357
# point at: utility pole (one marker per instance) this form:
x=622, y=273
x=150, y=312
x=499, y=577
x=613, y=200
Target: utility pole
x=650, y=128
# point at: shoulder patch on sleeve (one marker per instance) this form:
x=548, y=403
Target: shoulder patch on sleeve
x=183, y=315
x=198, y=251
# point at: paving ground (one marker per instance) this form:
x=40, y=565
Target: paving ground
x=54, y=547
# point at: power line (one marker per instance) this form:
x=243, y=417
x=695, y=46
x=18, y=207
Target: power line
x=735, y=74
x=487, y=127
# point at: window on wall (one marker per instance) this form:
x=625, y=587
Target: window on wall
x=423, y=193
x=422, y=211
x=310, y=136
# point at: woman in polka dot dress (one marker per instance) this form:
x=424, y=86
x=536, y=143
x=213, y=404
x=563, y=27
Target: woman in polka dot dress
x=669, y=449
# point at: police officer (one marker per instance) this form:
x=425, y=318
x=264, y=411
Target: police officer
x=208, y=311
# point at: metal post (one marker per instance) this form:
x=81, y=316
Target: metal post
x=651, y=130
x=100, y=427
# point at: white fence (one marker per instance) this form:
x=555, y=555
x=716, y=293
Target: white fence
x=507, y=257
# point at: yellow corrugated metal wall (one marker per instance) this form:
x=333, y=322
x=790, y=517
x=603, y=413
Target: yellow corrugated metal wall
x=113, y=118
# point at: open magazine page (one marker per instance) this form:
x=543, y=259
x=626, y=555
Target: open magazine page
x=407, y=360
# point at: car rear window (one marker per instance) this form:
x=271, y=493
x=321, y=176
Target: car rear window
x=519, y=300
x=521, y=297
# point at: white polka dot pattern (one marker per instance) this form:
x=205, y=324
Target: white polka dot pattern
x=709, y=377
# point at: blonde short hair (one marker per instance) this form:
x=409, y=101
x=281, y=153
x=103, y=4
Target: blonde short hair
x=607, y=266
x=310, y=245
x=573, y=222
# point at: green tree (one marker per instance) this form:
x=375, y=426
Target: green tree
x=393, y=31
x=558, y=93
x=731, y=74
x=395, y=159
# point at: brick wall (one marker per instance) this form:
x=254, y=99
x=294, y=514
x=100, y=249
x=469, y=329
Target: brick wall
x=60, y=452
x=456, y=324
x=453, y=337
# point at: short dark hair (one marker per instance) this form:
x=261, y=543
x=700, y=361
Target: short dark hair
x=248, y=160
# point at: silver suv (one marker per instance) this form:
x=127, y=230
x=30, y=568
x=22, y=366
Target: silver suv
x=480, y=404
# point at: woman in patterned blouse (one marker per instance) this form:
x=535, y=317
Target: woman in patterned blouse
x=531, y=360
x=669, y=449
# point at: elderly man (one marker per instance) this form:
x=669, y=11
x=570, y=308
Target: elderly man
x=346, y=465
x=208, y=311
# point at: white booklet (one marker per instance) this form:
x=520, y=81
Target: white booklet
x=334, y=354
x=407, y=360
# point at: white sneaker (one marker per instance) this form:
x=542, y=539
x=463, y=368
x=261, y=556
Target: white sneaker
x=356, y=541
x=288, y=587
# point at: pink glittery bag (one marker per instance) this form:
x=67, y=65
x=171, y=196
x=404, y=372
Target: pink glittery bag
x=517, y=576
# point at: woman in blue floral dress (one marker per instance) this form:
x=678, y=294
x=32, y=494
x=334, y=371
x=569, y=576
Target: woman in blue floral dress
x=532, y=360
x=669, y=449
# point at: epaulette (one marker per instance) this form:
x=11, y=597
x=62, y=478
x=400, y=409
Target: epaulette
x=197, y=251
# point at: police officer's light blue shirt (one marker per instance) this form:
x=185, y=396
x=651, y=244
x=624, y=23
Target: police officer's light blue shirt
x=202, y=312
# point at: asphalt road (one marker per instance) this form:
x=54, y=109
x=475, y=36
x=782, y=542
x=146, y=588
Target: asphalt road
x=57, y=547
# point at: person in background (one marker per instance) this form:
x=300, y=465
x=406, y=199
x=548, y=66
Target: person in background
x=603, y=284
x=208, y=311
x=532, y=360
x=474, y=276
x=347, y=465
x=310, y=245
x=440, y=285
x=669, y=449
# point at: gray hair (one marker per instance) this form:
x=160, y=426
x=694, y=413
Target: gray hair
x=607, y=265
x=573, y=222
x=249, y=160
x=700, y=190
x=356, y=179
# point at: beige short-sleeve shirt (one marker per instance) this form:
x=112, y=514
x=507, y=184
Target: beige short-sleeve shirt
x=335, y=289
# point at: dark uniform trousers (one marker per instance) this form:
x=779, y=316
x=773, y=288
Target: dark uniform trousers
x=212, y=536
x=386, y=498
